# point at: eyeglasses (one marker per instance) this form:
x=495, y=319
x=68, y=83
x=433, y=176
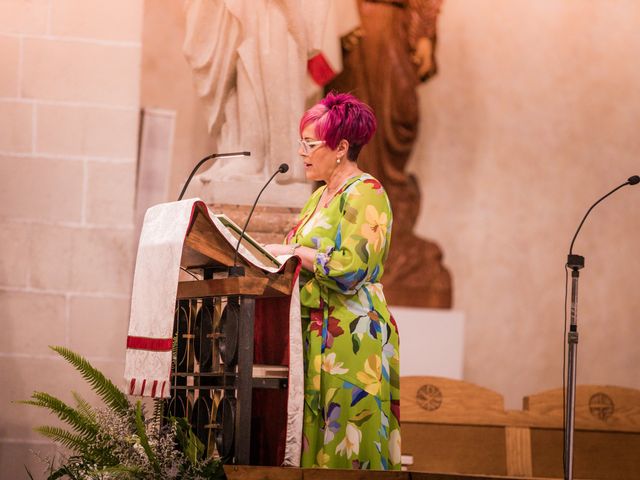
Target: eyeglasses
x=308, y=147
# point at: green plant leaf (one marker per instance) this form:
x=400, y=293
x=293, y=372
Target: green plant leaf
x=144, y=439
x=72, y=441
x=108, y=392
x=83, y=407
x=77, y=420
x=190, y=444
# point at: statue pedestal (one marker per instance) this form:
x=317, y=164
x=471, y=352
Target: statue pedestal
x=245, y=191
x=431, y=341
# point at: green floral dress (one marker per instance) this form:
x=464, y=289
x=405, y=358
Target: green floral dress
x=352, y=397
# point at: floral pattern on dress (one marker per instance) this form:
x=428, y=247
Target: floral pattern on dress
x=352, y=397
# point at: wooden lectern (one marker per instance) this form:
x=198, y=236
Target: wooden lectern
x=231, y=344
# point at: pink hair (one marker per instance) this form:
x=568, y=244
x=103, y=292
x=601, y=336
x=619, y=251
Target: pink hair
x=341, y=116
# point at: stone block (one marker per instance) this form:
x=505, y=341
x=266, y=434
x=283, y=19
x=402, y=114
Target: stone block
x=10, y=55
x=114, y=20
x=31, y=321
x=87, y=260
x=20, y=16
x=98, y=327
x=50, y=256
x=90, y=131
x=14, y=262
x=81, y=72
x=102, y=261
x=110, y=193
x=16, y=126
x=41, y=189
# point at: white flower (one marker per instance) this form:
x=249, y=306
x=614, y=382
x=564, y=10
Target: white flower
x=330, y=365
x=350, y=444
x=394, y=447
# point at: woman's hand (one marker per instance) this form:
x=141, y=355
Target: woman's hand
x=307, y=255
x=277, y=249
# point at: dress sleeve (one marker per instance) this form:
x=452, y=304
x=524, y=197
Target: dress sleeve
x=357, y=252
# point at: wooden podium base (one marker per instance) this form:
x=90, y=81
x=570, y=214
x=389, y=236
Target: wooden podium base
x=241, y=472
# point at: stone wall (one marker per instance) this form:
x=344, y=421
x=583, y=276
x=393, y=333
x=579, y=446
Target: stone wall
x=69, y=102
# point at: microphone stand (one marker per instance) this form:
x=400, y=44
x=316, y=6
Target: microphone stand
x=575, y=263
x=209, y=157
x=238, y=270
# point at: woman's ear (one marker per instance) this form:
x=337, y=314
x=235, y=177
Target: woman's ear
x=343, y=148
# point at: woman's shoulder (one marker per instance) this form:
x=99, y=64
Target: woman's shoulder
x=364, y=184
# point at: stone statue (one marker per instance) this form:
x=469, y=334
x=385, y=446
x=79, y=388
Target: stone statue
x=249, y=60
x=384, y=62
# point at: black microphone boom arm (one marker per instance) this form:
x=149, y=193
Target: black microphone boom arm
x=209, y=157
x=237, y=271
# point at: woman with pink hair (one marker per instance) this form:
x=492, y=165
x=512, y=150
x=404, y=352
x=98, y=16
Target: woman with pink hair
x=352, y=397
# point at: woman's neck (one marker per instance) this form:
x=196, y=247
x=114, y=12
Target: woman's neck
x=341, y=175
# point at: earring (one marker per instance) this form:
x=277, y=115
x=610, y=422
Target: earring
x=338, y=160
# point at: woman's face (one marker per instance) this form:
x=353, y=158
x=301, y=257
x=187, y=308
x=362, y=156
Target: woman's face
x=320, y=162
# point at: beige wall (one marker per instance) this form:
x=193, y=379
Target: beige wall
x=535, y=114
x=69, y=101
x=167, y=83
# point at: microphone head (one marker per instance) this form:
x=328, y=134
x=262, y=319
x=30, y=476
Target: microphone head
x=283, y=168
x=634, y=180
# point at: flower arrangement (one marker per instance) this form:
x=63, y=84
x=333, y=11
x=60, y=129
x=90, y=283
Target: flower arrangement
x=117, y=441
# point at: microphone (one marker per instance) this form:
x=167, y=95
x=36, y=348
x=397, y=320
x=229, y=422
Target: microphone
x=634, y=180
x=209, y=157
x=236, y=270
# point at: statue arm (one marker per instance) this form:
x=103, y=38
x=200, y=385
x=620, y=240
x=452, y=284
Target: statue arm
x=422, y=20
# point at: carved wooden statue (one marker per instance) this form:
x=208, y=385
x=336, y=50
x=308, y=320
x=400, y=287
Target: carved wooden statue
x=384, y=62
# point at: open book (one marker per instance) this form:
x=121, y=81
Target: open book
x=232, y=232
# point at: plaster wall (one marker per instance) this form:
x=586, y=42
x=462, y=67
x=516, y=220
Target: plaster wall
x=533, y=116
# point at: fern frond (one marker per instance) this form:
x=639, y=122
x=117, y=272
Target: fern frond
x=110, y=394
x=78, y=421
x=72, y=441
x=144, y=439
x=84, y=407
x=158, y=412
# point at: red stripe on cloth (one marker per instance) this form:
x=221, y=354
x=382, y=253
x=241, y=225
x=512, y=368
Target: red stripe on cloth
x=162, y=390
x=146, y=343
x=144, y=382
x=153, y=388
x=320, y=70
x=132, y=386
